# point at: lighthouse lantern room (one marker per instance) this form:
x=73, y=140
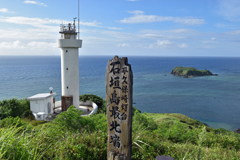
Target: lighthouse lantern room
x=69, y=45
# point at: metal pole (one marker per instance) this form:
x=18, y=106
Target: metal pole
x=78, y=21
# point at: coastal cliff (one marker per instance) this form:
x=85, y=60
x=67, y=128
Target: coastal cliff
x=187, y=72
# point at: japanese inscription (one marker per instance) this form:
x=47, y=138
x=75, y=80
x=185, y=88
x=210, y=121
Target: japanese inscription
x=119, y=81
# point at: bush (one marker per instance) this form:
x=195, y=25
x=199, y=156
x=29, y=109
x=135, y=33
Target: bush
x=96, y=99
x=14, y=107
x=11, y=121
x=72, y=120
x=28, y=114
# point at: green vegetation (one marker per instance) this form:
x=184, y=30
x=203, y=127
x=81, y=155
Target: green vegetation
x=190, y=72
x=96, y=99
x=14, y=107
x=71, y=136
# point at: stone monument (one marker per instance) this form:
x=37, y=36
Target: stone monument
x=119, y=81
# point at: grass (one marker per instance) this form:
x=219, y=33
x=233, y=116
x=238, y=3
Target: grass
x=71, y=136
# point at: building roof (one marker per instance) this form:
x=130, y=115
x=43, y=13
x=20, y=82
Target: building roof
x=41, y=96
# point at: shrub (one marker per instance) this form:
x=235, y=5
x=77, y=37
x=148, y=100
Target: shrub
x=94, y=98
x=72, y=120
x=28, y=114
x=14, y=107
x=11, y=121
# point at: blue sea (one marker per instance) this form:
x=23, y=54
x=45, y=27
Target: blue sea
x=214, y=100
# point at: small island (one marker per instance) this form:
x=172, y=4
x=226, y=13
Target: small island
x=187, y=72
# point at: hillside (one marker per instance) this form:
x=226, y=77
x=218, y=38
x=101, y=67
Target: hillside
x=71, y=136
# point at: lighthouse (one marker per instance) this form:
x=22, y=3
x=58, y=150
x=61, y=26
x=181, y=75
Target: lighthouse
x=69, y=45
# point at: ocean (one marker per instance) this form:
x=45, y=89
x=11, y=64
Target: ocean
x=214, y=100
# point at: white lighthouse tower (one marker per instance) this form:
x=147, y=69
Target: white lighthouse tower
x=69, y=45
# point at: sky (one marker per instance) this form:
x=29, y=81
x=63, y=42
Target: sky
x=123, y=27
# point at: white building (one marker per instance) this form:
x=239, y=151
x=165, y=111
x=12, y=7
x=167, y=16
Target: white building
x=70, y=61
x=43, y=105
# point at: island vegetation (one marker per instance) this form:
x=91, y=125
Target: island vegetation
x=71, y=136
x=187, y=72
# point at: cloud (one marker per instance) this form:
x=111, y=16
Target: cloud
x=30, y=45
x=207, y=47
x=92, y=24
x=226, y=26
x=30, y=34
x=229, y=9
x=41, y=22
x=183, y=45
x=123, y=45
x=5, y=10
x=161, y=36
x=160, y=44
x=177, y=34
x=114, y=28
x=181, y=31
x=163, y=43
x=12, y=45
x=234, y=32
x=211, y=41
x=136, y=12
x=42, y=45
x=35, y=2
x=167, y=44
x=139, y=17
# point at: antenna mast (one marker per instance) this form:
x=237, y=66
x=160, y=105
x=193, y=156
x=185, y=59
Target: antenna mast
x=78, y=21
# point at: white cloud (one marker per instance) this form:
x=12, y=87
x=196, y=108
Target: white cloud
x=139, y=17
x=41, y=22
x=211, y=41
x=5, y=10
x=92, y=24
x=37, y=22
x=161, y=36
x=29, y=34
x=207, y=47
x=229, y=9
x=30, y=2
x=234, y=32
x=168, y=34
x=136, y=12
x=114, y=28
x=42, y=45
x=163, y=43
x=30, y=45
x=123, y=45
x=12, y=45
x=160, y=44
x=35, y=2
x=181, y=31
x=183, y=45
x=167, y=44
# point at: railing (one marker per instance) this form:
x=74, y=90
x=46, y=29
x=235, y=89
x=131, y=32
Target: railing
x=67, y=28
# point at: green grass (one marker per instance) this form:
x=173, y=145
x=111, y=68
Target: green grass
x=71, y=136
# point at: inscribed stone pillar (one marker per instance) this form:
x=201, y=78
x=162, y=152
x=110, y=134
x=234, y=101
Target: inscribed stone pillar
x=119, y=81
